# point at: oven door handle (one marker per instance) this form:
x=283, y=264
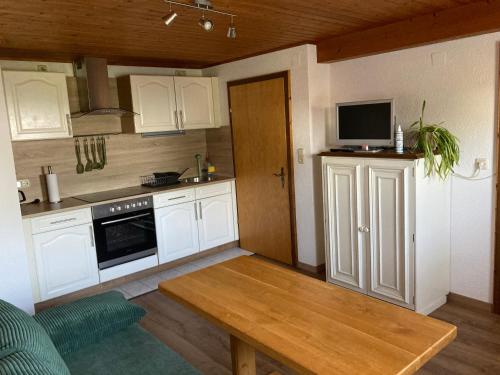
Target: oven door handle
x=124, y=219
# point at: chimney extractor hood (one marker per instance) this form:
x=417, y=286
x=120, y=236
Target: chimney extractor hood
x=93, y=89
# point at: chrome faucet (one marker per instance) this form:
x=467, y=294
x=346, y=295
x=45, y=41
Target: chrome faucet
x=198, y=161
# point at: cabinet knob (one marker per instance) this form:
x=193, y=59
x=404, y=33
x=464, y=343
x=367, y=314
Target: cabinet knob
x=363, y=229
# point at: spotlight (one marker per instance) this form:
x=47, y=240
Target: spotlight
x=206, y=24
x=231, y=31
x=169, y=18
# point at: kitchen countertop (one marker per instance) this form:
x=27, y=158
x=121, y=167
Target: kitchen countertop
x=30, y=210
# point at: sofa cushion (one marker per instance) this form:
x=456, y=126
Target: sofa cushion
x=25, y=347
x=130, y=351
x=88, y=320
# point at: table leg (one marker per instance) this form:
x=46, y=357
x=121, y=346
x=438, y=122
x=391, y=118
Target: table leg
x=243, y=357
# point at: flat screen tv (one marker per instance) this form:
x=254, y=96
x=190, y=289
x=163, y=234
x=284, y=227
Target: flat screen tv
x=366, y=123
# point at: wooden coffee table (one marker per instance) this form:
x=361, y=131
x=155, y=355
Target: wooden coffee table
x=308, y=325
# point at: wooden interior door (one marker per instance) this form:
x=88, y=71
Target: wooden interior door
x=263, y=166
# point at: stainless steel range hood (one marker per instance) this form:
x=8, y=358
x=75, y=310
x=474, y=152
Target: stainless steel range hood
x=93, y=89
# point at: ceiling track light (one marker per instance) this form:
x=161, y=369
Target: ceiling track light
x=231, y=31
x=170, y=17
x=205, y=23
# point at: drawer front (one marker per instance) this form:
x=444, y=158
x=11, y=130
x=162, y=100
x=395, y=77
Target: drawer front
x=173, y=197
x=212, y=190
x=61, y=220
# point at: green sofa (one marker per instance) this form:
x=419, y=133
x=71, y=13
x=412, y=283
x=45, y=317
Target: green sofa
x=97, y=335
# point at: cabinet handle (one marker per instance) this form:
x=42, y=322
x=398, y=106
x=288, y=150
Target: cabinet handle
x=180, y=197
x=91, y=230
x=201, y=211
x=182, y=119
x=63, y=221
x=195, y=212
x=176, y=120
x=69, y=124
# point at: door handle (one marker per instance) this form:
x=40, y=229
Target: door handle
x=282, y=176
x=182, y=118
x=91, y=230
x=201, y=211
x=195, y=212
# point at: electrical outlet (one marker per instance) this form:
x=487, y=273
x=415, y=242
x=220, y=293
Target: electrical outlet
x=482, y=164
x=23, y=184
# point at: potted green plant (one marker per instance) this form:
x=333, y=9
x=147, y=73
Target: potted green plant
x=440, y=147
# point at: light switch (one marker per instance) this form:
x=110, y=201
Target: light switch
x=300, y=155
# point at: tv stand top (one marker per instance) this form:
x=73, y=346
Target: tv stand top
x=381, y=153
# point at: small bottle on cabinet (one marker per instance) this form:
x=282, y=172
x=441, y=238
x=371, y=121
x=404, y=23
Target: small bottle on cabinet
x=399, y=140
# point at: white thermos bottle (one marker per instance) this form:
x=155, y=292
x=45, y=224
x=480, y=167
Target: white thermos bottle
x=52, y=186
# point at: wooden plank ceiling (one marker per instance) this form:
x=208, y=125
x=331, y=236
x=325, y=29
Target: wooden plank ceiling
x=131, y=32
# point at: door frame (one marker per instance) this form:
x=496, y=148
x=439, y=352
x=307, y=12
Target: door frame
x=288, y=129
x=496, y=269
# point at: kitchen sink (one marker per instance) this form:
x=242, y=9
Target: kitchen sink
x=198, y=179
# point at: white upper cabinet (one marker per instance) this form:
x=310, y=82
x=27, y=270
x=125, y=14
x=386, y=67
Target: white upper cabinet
x=166, y=103
x=344, y=218
x=37, y=104
x=153, y=97
x=195, y=102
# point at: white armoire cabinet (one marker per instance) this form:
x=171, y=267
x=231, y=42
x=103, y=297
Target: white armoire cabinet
x=37, y=104
x=387, y=229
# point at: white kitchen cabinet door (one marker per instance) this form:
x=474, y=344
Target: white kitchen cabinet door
x=153, y=97
x=195, y=102
x=66, y=260
x=38, y=105
x=344, y=230
x=390, y=248
x=177, y=231
x=216, y=222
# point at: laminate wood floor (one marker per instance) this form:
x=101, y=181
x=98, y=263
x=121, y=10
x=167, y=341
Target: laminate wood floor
x=475, y=351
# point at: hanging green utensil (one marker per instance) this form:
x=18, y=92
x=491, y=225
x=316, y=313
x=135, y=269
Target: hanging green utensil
x=88, y=165
x=104, y=151
x=99, y=152
x=79, y=166
x=95, y=164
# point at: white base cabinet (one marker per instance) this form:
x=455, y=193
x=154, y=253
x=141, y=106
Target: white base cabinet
x=66, y=260
x=177, y=231
x=216, y=224
x=195, y=219
x=387, y=230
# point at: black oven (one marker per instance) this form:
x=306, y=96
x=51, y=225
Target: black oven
x=124, y=231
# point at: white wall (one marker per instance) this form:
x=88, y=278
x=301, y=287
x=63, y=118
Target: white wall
x=15, y=284
x=459, y=81
x=309, y=90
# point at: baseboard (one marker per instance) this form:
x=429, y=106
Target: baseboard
x=470, y=302
x=432, y=306
x=312, y=269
